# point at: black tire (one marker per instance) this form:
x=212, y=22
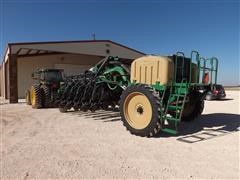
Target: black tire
x=46, y=100
x=193, y=113
x=36, y=97
x=154, y=125
x=28, y=97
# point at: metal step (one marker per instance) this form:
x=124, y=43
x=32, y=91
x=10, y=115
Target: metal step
x=183, y=91
x=175, y=107
x=171, y=131
x=180, y=95
x=181, y=85
x=173, y=119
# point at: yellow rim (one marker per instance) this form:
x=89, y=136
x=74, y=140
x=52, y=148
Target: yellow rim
x=33, y=96
x=137, y=110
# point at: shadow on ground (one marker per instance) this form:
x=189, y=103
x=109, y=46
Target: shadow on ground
x=3, y=103
x=104, y=116
x=225, y=99
x=206, y=127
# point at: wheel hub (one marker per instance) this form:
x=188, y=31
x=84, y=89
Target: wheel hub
x=140, y=110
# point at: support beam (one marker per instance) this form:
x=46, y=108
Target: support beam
x=28, y=52
x=13, y=85
x=6, y=81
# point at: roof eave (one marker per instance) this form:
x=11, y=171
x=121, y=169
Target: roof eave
x=9, y=45
x=77, y=41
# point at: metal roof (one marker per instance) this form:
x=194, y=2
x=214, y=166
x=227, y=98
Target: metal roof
x=88, y=47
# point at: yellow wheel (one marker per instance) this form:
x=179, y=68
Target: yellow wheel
x=36, y=97
x=139, y=109
x=28, y=97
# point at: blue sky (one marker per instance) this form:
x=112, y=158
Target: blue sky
x=155, y=27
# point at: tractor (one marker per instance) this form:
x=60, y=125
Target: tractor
x=153, y=93
x=43, y=93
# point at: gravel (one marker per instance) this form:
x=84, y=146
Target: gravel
x=45, y=143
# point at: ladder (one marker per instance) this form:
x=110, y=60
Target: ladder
x=178, y=92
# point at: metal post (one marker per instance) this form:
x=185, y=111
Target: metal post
x=216, y=68
x=182, y=54
x=204, y=67
x=197, y=60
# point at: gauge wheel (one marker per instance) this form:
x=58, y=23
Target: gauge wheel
x=140, y=110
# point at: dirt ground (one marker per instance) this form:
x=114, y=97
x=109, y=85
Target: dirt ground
x=45, y=143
